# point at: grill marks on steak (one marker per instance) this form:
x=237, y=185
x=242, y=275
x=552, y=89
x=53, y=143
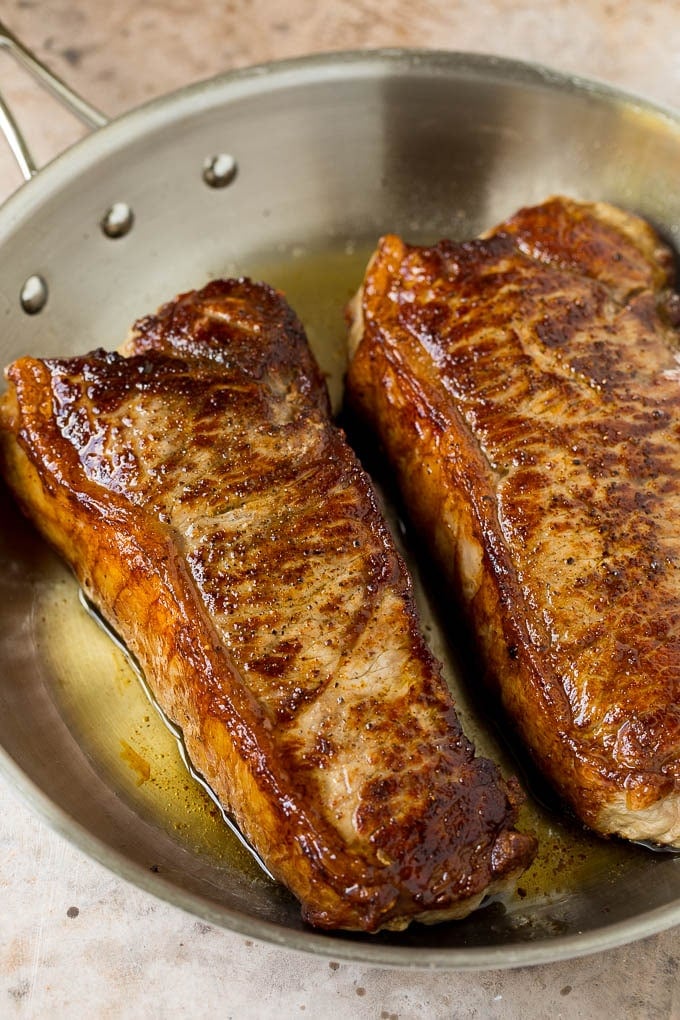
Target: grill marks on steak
x=223, y=526
x=527, y=386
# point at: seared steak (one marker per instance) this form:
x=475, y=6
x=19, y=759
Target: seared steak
x=220, y=522
x=526, y=386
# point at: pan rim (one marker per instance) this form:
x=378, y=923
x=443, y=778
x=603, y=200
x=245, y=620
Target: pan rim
x=315, y=67
x=152, y=116
x=331, y=945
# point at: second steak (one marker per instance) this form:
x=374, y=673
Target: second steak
x=527, y=390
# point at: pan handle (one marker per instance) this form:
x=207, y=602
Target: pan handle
x=78, y=106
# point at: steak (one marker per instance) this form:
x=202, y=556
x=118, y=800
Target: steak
x=221, y=524
x=526, y=387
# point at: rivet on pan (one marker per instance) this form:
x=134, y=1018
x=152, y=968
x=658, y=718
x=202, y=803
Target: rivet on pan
x=220, y=170
x=118, y=220
x=34, y=295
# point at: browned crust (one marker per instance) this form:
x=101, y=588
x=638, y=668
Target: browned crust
x=525, y=388
x=424, y=829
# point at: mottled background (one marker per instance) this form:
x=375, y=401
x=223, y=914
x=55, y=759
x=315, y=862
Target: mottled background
x=76, y=941
x=121, y=53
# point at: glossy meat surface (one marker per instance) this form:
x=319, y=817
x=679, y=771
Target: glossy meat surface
x=527, y=388
x=219, y=520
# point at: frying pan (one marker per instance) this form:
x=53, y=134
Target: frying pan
x=289, y=172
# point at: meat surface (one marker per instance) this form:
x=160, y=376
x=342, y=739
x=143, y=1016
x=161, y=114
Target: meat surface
x=222, y=525
x=526, y=386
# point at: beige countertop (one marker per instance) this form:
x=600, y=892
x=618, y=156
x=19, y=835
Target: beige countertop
x=76, y=940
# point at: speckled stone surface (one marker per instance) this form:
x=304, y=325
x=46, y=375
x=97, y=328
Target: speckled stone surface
x=74, y=939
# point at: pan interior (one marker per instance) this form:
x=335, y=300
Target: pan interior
x=329, y=153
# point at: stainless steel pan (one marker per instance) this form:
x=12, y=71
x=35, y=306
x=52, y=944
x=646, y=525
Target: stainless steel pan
x=288, y=172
